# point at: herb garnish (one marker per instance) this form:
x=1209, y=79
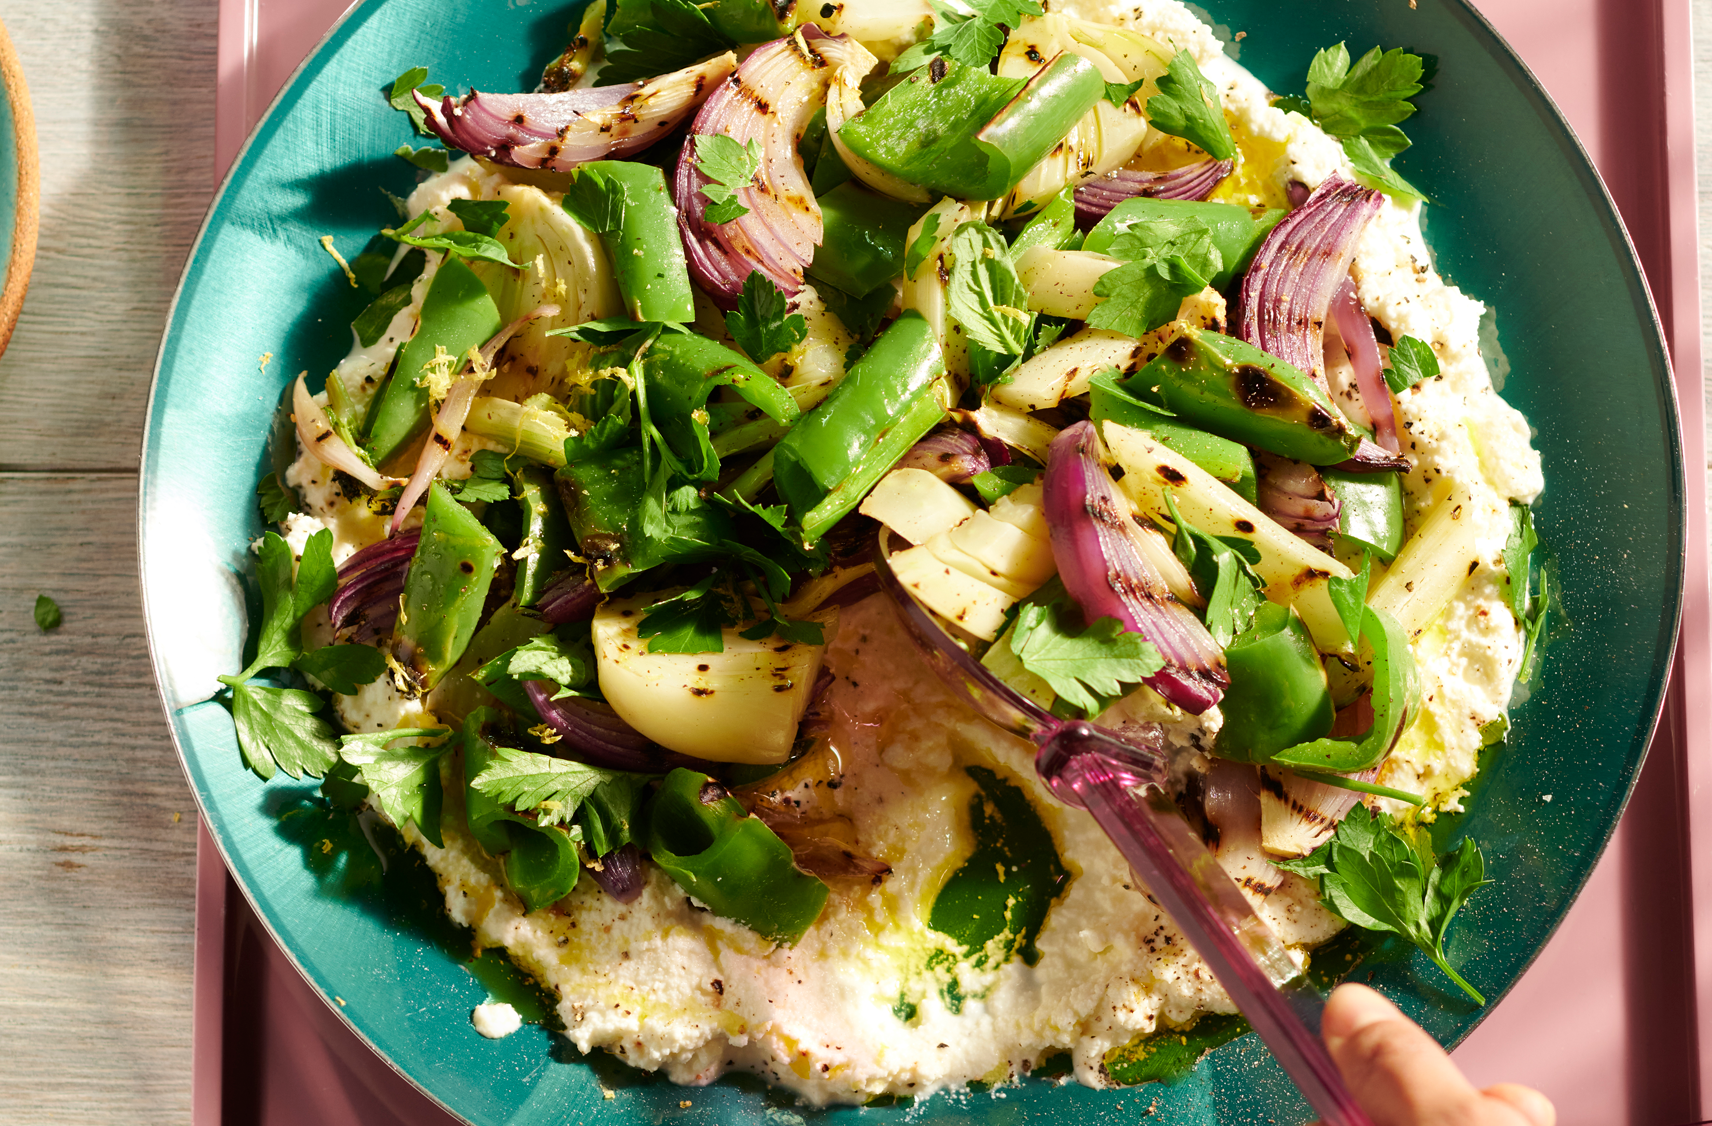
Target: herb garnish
x=1167, y=260
x=1361, y=105
x=1411, y=361
x=985, y=295
x=403, y=781
x=528, y=781
x=425, y=158
x=1382, y=876
x=464, y=244
x=1088, y=667
x=488, y=480
x=47, y=613
x=762, y=323
x=728, y=165
x=400, y=97
x=1187, y=106
x=645, y=38
x=972, y=39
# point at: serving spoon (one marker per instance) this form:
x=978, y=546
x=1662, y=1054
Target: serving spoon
x=1122, y=786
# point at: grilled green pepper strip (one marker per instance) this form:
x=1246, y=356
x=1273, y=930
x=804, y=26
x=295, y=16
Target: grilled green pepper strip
x=1233, y=389
x=1370, y=510
x=546, y=535
x=646, y=250
x=828, y=462
x=541, y=862
x=968, y=133
x=457, y=315
x=1396, y=700
x=1229, y=461
x=863, y=247
x=732, y=862
x=682, y=370
x=1277, y=696
x=1236, y=232
x=445, y=588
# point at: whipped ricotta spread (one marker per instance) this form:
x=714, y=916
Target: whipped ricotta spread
x=872, y=1001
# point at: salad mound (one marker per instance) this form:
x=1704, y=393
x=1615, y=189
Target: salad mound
x=683, y=374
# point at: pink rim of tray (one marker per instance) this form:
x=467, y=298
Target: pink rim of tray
x=1647, y=897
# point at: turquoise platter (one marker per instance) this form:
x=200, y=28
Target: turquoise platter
x=1518, y=219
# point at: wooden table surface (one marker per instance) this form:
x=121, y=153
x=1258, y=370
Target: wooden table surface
x=97, y=827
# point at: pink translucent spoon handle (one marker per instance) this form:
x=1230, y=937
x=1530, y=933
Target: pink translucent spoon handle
x=1087, y=767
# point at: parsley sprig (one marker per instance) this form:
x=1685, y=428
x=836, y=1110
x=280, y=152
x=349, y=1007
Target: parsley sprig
x=728, y=165
x=1087, y=666
x=1382, y=876
x=1411, y=361
x=762, y=323
x=1166, y=261
x=971, y=38
x=404, y=782
x=1188, y=106
x=1361, y=103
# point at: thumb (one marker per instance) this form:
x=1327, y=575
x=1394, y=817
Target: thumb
x=1399, y=1074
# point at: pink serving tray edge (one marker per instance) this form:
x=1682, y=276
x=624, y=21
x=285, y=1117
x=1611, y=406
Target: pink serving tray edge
x=1579, y=1009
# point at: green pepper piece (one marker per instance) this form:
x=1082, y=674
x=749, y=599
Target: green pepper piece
x=1236, y=231
x=1235, y=390
x=622, y=525
x=445, y=588
x=1277, y=696
x=646, y=250
x=682, y=370
x=457, y=315
x=1053, y=226
x=1370, y=510
x=546, y=534
x=1229, y=461
x=1396, y=701
x=968, y=133
x=541, y=862
x=840, y=449
x=732, y=862
x=863, y=247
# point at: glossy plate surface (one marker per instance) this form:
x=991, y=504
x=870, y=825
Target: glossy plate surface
x=1518, y=220
x=18, y=188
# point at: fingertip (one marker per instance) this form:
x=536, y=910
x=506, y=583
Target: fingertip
x=1350, y=1009
x=1525, y=1101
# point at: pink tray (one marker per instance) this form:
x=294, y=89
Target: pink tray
x=1614, y=1020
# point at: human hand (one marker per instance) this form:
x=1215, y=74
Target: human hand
x=1401, y=1077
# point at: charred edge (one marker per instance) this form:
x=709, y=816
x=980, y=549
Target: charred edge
x=1172, y=475
x=1256, y=388
x=1318, y=419
x=1246, y=527
x=936, y=68
x=1180, y=351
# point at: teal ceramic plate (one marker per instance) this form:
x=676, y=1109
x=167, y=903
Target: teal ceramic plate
x=18, y=188
x=1518, y=219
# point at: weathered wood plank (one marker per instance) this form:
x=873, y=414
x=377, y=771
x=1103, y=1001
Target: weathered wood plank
x=97, y=826
x=124, y=102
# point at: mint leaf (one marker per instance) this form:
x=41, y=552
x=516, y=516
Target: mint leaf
x=1411, y=361
x=403, y=781
x=284, y=601
x=550, y=787
x=1349, y=597
x=1223, y=574
x=463, y=244
x=1085, y=667
x=729, y=165
x=1187, y=106
x=689, y=622
x=427, y=159
x=760, y=323
x=611, y=813
x=281, y=727
x=985, y=295
x=399, y=97
x=483, y=216
x=47, y=613
x=344, y=668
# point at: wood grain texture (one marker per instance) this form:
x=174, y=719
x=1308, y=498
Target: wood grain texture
x=95, y=950
x=124, y=101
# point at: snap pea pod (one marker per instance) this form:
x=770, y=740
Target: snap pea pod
x=1053, y=227
x=546, y=534
x=646, y=250
x=1231, y=388
x=1370, y=509
x=1229, y=461
x=840, y=449
x=704, y=839
x=960, y=131
x=541, y=862
x=1278, y=695
x=863, y=245
x=457, y=315
x=1396, y=700
x=1236, y=231
x=682, y=370
x=445, y=588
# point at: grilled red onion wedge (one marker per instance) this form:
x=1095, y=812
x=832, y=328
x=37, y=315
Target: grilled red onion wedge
x=1297, y=497
x=320, y=439
x=1233, y=803
x=1092, y=527
x=951, y=455
x=1096, y=197
x=769, y=100
x=1363, y=350
x=557, y=132
x=1288, y=289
